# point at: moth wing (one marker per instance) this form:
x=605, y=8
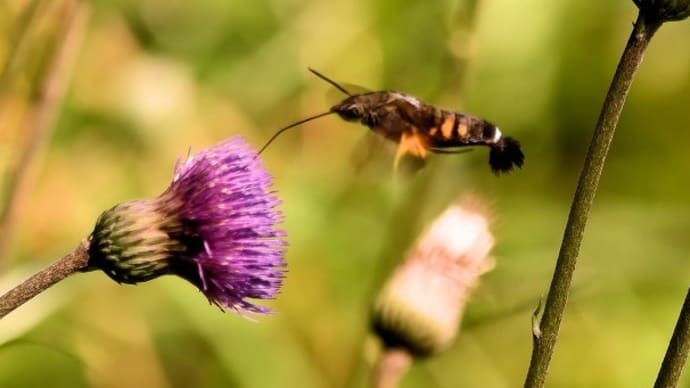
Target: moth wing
x=413, y=148
x=409, y=165
x=334, y=96
x=371, y=153
x=373, y=156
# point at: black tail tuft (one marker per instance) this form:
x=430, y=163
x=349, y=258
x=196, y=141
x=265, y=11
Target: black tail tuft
x=505, y=154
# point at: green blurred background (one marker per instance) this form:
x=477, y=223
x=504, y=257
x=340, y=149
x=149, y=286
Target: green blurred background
x=156, y=78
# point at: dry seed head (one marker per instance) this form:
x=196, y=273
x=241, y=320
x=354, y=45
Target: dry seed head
x=665, y=10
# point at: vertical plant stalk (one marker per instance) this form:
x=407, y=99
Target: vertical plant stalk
x=392, y=365
x=18, y=49
x=677, y=352
x=549, y=325
x=71, y=263
x=49, y=100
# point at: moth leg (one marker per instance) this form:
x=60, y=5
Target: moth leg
x=450, y=150
x=412, y=144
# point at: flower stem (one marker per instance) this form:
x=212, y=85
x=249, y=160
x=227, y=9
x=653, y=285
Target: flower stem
x=604, y=130
x=17, y=51
x=677, y=352
x=393, y=364
x=71, y=263
x=49, y=99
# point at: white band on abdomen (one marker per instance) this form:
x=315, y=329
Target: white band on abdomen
x=497, y=135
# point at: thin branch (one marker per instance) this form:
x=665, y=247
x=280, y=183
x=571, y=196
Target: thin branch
x=49, y=101
x=69, y=264
x=584, y=196
x=677, y=352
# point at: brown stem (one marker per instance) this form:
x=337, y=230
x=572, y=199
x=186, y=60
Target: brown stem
x=17, y=51
x=49, y=100
x=677, y=352
x=584, y=196
x=393, y=364
x=41, y=281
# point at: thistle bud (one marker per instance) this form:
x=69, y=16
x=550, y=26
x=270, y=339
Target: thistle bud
x=420, y=307
x=215, y=226
x=665, y=10
x=132, y=242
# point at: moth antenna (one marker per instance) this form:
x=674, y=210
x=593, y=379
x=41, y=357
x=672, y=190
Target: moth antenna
x=281, y=130
x=330, y=81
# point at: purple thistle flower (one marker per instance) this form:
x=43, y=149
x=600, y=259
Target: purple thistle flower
x=214, y=226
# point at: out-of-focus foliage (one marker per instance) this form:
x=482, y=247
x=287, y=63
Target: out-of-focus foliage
x=155, y=78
